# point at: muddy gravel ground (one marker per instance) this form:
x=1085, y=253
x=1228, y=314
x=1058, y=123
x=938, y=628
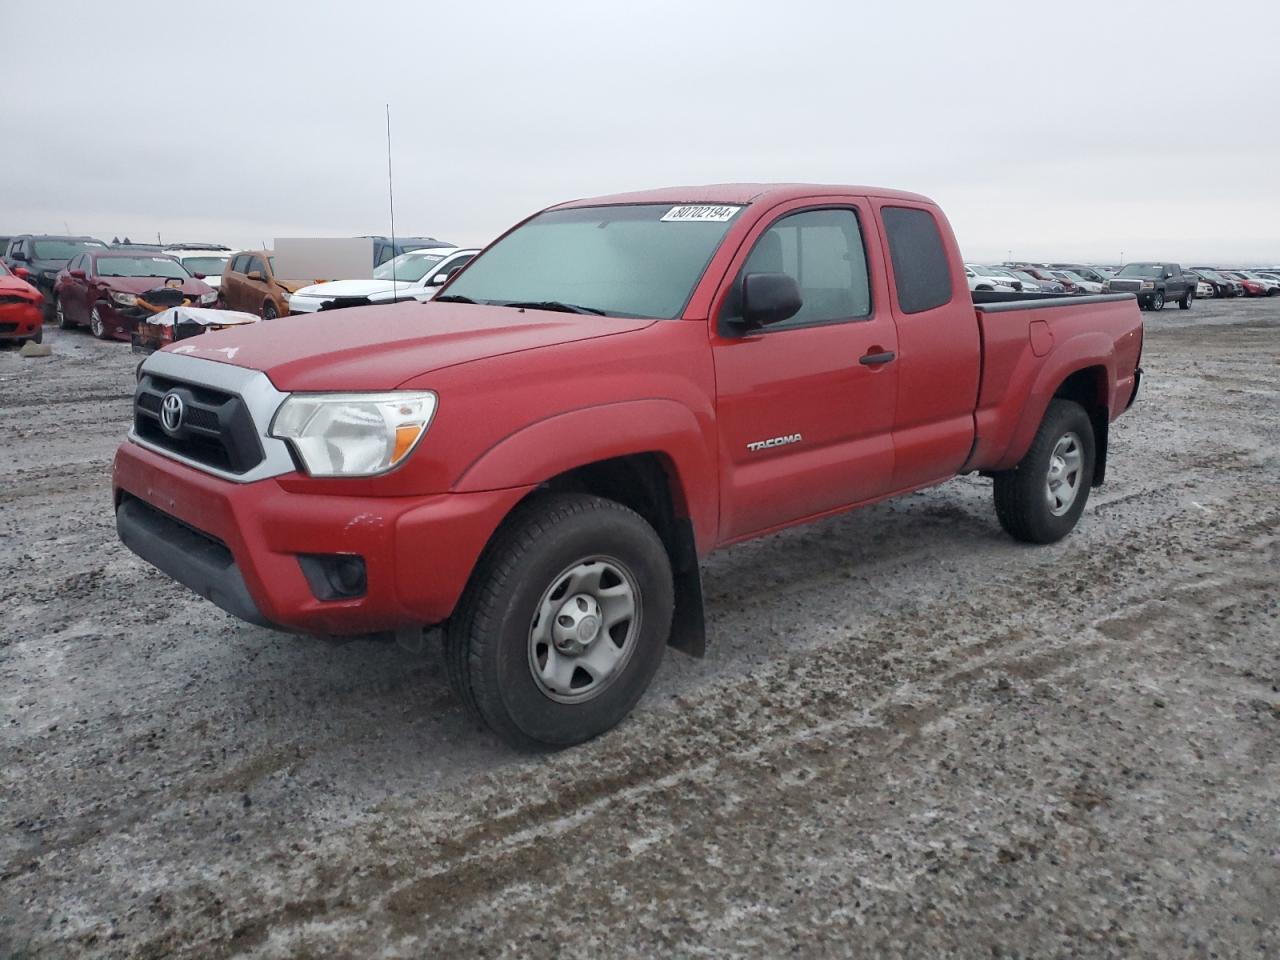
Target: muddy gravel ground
x=911, y=735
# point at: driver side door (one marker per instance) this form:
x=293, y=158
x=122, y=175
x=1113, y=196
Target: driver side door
x=805, y=407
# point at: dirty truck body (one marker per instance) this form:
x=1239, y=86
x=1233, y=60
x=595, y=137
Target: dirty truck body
x=615, y=388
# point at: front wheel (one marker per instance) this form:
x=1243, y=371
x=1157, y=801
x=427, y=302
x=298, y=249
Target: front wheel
x=1185, y=302
x=269, y=311
x=60, y=311
x=96, y=326
x=1157, y=300
x=563, y=623
x=1040, y=500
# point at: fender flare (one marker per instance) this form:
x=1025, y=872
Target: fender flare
x=1095, y=349
x=546, y=448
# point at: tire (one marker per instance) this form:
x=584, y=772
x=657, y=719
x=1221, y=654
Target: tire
x=64, y=323
x=39, y=337
x=503, y=647
x=96, y=326
x=1026, y=498
x=1157, y=300
x=1185, y=302
x=269, y=311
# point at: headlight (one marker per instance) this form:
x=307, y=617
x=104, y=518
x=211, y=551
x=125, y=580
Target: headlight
x=1148, y=285
x=209, y=297
x=124, y=299
x=353, y=434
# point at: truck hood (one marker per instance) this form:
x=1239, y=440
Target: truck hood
x=379, y=348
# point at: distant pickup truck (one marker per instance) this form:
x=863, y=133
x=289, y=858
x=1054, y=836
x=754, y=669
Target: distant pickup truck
x=1154, y=284
x=538, y=458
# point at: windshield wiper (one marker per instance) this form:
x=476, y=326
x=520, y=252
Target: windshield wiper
x=556, y=305
x=450, y=298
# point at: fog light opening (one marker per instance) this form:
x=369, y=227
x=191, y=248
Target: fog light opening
x=334, y=576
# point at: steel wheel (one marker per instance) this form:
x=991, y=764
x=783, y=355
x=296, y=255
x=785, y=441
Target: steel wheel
x=96, y=326
x=584, y=630
x=1063, y=481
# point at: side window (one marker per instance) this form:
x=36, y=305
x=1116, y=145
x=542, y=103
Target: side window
x=255, y=263
x=75, y=263
x=237, y=263
x=920, y=268
x=823, y=251
x=385, y=250
x=452, y=267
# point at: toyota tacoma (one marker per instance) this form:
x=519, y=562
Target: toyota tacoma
x=538, y=458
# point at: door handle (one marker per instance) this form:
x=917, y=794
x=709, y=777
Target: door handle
x=874, y=359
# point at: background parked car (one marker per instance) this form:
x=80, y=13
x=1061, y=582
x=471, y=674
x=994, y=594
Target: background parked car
x=980, y=279
x=249, y=284
x=416, y=275
x=1219, y=285
x=1155, y=284
x=104, y=289
x=1082, y=284
x=1270, y=285
x=209, y=259
x=1048, y=285
x=1043, y=274
x=1251, y=287
x=1025, y=283
x=1098, y=275
x=385, y=249
x=43, y=255
x=21, y=308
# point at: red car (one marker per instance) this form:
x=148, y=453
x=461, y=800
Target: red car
x=110, y=290
x=1252, y=288
x=21, y=307
x=539, y=457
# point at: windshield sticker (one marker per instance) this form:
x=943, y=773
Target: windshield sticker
x=699, y=214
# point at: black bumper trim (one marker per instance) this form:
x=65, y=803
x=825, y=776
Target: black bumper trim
x=193, y=559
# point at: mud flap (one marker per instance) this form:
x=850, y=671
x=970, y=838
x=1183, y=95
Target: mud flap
x=688, y=621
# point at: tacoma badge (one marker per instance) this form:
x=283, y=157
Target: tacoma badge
x=775, y=442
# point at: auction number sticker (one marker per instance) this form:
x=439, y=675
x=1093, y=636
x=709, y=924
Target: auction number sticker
x=700, y=214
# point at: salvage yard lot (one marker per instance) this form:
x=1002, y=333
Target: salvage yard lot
x=910, y=733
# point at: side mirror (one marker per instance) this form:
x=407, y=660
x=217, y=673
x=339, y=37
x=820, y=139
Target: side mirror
x=769, y=298
x=254, y=275
x=22, y=272
x=198, y=276
x=78, y=274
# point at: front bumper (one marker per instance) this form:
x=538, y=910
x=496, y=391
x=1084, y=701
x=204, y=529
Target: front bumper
x=21, y=321
x=299, y=305
x=238, y=544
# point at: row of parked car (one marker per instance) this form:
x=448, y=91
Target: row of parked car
x=112, y=288
x=1154, y=284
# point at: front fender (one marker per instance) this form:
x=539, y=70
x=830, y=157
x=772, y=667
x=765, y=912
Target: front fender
x=549, y=447
x=1095, y=349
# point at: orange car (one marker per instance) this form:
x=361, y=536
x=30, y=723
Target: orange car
x=249, y=284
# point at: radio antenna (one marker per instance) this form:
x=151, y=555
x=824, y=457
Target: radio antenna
x=391, y=198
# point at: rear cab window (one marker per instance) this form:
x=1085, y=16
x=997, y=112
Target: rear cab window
x=921, y=273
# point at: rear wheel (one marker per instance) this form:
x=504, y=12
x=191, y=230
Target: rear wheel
x=96, y=326
x=1040, y=500
x=1185, y=302
x=564, y=622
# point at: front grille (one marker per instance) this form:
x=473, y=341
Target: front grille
x=7, y=299
x=1124, y=285
x=8, y=327
x=217, y=429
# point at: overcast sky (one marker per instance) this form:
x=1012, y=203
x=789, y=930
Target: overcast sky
x=1074, y=130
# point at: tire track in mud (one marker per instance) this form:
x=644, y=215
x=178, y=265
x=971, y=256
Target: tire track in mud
x=471, y=852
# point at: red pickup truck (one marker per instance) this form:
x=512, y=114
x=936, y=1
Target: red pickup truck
x=538, y=458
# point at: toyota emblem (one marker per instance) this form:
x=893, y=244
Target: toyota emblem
x=171, y=411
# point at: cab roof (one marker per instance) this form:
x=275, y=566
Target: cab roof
x=741, y=194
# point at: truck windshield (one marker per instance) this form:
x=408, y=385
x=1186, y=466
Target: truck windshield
x=635, y=260
x=1148, y=270
x=141, y=267
x=206, y=265
x=61, y=249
